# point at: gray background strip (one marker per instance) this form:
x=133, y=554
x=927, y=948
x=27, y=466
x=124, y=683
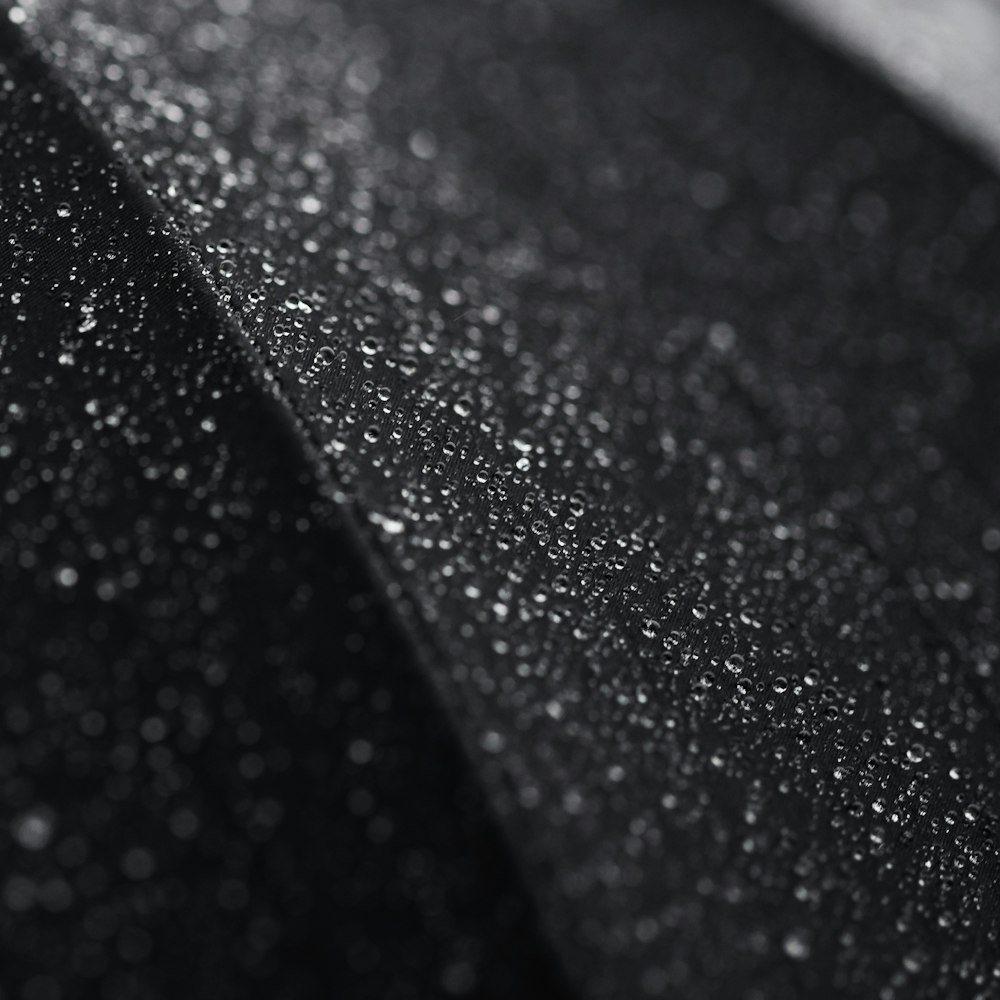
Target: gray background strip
x=944, y=54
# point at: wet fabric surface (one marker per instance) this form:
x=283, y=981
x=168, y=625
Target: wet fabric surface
x=222, y=774
x=652, y=351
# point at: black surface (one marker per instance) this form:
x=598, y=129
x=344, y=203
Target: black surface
x=221, y=775
x=655, y=350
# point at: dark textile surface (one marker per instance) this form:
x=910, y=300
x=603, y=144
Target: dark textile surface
x=651, y=351
x=221, y=774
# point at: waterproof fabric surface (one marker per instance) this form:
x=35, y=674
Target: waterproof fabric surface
x=222, y=776
x=644, y=354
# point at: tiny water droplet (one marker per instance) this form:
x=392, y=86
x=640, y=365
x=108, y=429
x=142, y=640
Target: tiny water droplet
x=796, y=945
x=735, y=663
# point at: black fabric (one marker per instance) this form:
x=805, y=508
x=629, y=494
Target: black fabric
x=221, y=774
x=650, y=352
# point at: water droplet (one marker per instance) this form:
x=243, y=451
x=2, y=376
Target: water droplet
x=796, y=945
x=392, y=525
x=735, y=663
x=33, y=829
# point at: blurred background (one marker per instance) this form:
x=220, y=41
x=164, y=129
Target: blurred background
x=940, y=53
